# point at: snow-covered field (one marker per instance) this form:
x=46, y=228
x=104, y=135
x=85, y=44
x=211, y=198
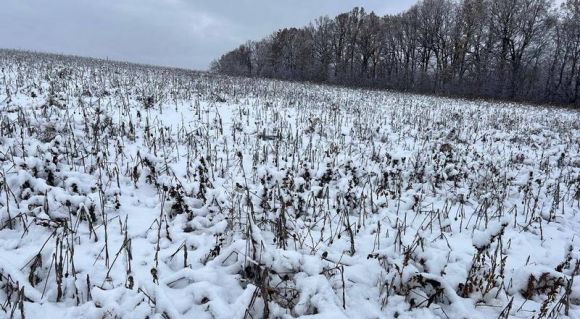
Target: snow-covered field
x=136, y=192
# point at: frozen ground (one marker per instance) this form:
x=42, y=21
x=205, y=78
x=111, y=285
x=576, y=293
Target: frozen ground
x=138, y=192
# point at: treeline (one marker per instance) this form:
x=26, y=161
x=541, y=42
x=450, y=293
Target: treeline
x=522, y=50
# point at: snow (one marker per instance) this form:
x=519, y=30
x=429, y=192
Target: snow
x=287, y=200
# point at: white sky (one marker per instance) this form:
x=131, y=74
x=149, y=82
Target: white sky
x=183, y=33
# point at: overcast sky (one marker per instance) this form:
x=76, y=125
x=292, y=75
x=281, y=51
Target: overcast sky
x=183, y=33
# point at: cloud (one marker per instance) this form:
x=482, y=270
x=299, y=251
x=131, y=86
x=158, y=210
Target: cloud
x=184, y=33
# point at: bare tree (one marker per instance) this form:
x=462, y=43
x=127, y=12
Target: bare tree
x=509, y=49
